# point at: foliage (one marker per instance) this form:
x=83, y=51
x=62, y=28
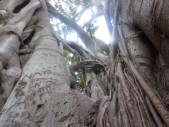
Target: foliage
x=78, y=75
x=80, y=81
x=70, y=9
x=91, y=29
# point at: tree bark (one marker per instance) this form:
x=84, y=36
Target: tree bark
x=42, y=96
x=131, y=90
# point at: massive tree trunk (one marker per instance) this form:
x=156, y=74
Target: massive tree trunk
x=42, y=96
x=130, y=90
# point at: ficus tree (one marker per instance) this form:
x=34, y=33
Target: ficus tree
x=126, y=82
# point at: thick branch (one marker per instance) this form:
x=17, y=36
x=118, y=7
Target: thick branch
x=64, y=42
x=89, y=43
x=101, y=44
x=107, y=16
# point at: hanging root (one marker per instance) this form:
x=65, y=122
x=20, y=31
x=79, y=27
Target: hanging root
x=1, y=66
x=154, y=98
x=103, y=107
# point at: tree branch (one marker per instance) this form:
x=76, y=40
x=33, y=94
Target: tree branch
x=107, y=16
x=65, y=44
x=101, y=44
x=89, y=43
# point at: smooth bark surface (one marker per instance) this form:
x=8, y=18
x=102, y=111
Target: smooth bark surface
x=42, y=96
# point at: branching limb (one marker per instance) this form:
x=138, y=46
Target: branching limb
x=89, y=43
x=65, y=44
x=107, y=16
x=101, y=45
x=7, y=7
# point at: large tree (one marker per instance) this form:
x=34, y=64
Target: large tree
x=126, y=82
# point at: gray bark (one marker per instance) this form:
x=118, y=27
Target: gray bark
x=42, y=96
x=10, y=41
x=128, y=91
